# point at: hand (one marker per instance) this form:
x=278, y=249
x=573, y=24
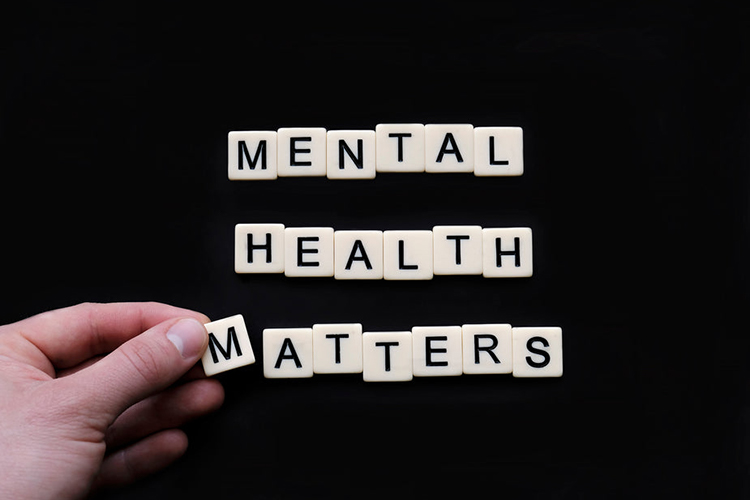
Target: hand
x=72, y=419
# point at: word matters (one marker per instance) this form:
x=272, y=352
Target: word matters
x=360, y=154
x=393, y=356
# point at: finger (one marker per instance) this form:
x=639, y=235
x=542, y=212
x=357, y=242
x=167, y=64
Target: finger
x=140, y=367
x=165, y=410
x=143, y=458
x=74, y=334
x=195, y=373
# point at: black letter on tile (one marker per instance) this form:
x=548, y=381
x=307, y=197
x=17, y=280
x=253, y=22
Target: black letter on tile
x=293, y=151
x=534, y=350
x=493, y=161
x=358, y=246
x=287, y=344
x=358, y=159
x=337, y=340
x=214, y=344
x=251, y=248
x=387, y=346
x=488, y=349
x=301, y=251
x=428, y=350
x=401, y=264
x=516, y=251
x=453, y=151
x=243, y=153
x=400, y=137
x=458, y=245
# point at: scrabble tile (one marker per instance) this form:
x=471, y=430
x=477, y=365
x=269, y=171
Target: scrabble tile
x=537, y=352
x=358, y=255
x=252, y=155
x=351, y=154
x=287, y=353
x=337, y=348
x=436, y=351
x=507, y=252
x=449, y=148
x=407, y=255
x=228, y=346
x=400, y=147
x=498, y=151
x=259, y=248
x=386, y=357
x=301, y=152
x=487, y=348
x=457, y=249
x=308, y=251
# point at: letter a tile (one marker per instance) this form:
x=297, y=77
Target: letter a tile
x=287, y=353
x=449, y=148
x=358, y=255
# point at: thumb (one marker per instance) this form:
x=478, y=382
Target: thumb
x=144, y=365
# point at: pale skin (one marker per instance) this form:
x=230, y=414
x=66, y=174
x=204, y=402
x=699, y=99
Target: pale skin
x=92, y=396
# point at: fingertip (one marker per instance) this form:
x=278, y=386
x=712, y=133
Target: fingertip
x=210, y=393
x=189, y=336
x=174, y=442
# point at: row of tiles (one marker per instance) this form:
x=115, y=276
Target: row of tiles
x=425, y=351
x=360, y=154
x=392, y=255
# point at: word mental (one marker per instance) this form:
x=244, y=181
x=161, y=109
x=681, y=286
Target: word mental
x=425, y=351
x=360, y=154
x=391, y=255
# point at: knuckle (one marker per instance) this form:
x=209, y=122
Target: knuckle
x=86, y=308
x=148, y=361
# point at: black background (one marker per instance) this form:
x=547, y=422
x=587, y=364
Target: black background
x=113, y=135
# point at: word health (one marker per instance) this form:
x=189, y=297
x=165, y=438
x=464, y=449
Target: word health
x=392, y=255
x=360, y=154
x=394, y=356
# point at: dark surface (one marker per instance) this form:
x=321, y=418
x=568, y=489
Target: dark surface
x=113, y=131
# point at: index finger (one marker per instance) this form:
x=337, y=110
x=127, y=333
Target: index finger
x=74, y=334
